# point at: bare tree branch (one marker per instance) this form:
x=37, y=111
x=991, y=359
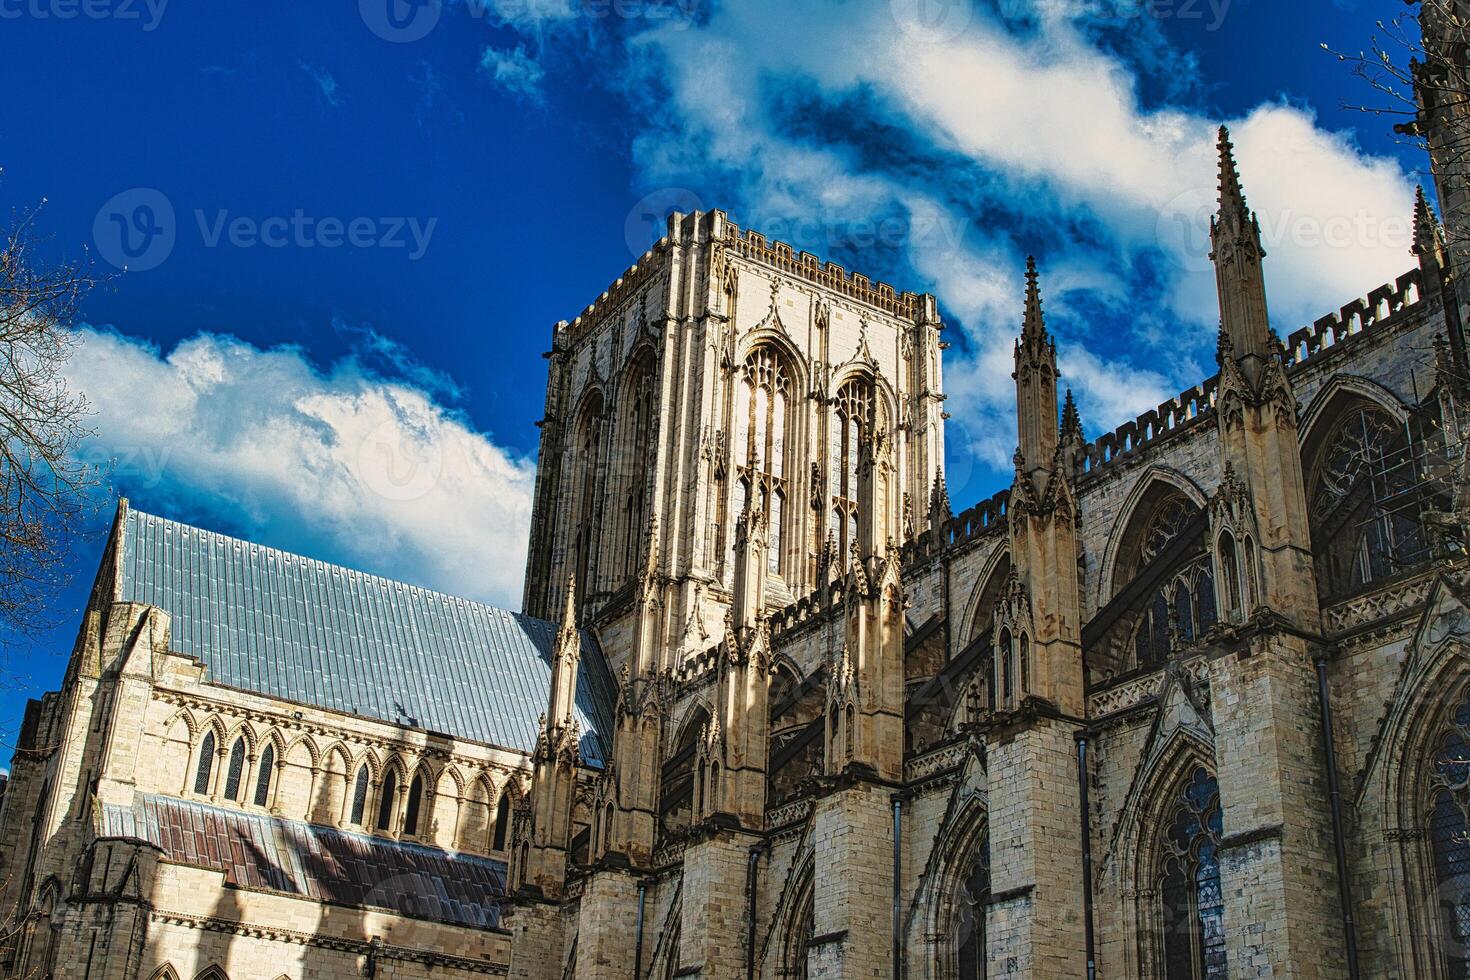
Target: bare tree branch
x=45, y=491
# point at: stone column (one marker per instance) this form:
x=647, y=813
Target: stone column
x=712, y=917
x=852, y=888
x=1034, y=924
x=1282, y=913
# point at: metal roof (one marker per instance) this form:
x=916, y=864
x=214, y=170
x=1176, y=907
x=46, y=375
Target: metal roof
x=259, y=852
x=289, y=627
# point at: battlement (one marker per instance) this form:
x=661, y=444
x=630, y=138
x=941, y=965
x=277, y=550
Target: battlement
x=753, y=245
x=1181, y=412
x=1361, y=314
x=715, y=226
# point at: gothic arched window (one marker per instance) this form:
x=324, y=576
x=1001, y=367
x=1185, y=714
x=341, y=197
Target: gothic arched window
x=588, y=456
x=236, y=770
x=1192, y=902
x=850, y=423
x=359, y=795
x=385, y=800
x=415, y=801
x=1366, y=502
x=969, y=917
x=761, y=422
x=639, y=444
x=1449, y=834
x=263, y=778
x=206, y=765
x=1185, y=600
x=502, y=822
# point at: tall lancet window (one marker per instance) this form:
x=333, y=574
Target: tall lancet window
x=854, y=414
x=1193, y=904
x=1449, y=832
x=969, y=922
x=638, y=440
x=588, y=446
x=761, y=421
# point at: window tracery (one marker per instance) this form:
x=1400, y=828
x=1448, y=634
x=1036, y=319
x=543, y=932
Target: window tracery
x=1183, y=607
x=635, y=503
x=1449, y=834
x=1193, y=903
x=1366, y=501
x=854, y=414
x=969, y=921
x=761, y=425
x=589, y=449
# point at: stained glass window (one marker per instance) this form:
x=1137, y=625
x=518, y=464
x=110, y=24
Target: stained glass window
x=236, y=770
x=1449, y=832
x=359, y=796
x=206, y=765
x=1185, y=602
x=1193, y=903
x=969, y=930
x=385, y=800
x=1367, y=498
x=415, y=799
x=502, y=822
x=263, y=778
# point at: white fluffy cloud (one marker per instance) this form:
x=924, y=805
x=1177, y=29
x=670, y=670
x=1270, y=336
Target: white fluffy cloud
x=339, y=463
x=1051, y=130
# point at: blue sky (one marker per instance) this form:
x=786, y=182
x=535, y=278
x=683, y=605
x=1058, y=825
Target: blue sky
x=349, y=227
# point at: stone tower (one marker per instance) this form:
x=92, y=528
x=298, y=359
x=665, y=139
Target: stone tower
x=731, y=426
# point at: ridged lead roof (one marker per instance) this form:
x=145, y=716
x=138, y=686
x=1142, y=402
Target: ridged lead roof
x=289, y=627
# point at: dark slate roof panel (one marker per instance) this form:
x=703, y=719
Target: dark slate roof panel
x=258, y=852
x=284, y=626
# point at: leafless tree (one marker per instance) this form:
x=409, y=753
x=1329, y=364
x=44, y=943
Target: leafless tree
x=45, y=490
x=1417, y=66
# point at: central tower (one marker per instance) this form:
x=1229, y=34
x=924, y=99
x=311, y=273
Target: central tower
x=724, y=373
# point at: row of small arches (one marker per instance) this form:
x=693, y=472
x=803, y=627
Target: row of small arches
x=298, y=781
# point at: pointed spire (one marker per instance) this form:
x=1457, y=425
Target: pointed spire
x=1232, y=197
x=1428, y=236
x=939, y=508
x=1071, y=418
x=569, y=611
x=1035, y=323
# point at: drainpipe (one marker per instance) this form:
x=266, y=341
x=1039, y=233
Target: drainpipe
x=1344, y=886
x=752, y=861
x=638, y=934
x=1087, y=923
x=897, y=888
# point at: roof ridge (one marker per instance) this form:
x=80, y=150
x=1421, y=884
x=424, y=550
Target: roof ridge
x=330, y=565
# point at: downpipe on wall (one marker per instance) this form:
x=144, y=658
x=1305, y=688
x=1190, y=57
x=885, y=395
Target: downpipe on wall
x=1339, y=840
x=752, y=862
x=897, y=887
x=1085, y=807
x=638, y=933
